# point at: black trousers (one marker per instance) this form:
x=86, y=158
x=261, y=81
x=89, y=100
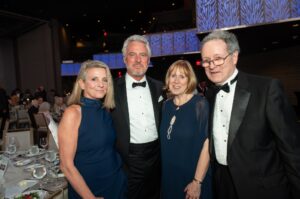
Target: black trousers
x=223, y=185
x=144, y=171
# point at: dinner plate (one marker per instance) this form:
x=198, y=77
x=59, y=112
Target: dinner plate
x=25, y=184
x=17, y=189
x=20, y=163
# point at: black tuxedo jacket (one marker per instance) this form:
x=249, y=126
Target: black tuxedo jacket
x=121, y=115
x=263, y=151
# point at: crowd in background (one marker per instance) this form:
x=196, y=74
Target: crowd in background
x=50, y=103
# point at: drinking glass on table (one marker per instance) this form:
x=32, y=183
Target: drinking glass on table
x=50, y=156
x=12, y=146
x=34, y=150
x=39, y=172
x=44, y=142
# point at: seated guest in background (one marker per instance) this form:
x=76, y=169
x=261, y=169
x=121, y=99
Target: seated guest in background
x=52, y=125
x=33, y=109
x=40, y=92
x=14, y=100
x=183, y=134
x=59, y=105
x=255, y=134
x=87, y=138
x=44, y=108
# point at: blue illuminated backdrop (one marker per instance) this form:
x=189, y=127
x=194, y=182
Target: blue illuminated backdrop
x=210, y=14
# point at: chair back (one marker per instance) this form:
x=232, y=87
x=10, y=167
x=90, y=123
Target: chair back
x=23, y=118
x=24, y=137
x=41, y=122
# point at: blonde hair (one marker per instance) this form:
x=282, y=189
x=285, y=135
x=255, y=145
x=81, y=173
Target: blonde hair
x=187, y=69
x=77, y=92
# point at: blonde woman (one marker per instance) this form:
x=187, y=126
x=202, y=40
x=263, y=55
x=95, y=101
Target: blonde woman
x=86, y=137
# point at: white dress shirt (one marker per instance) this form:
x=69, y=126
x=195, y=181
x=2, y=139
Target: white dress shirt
x=141, y=113
x=221, y=120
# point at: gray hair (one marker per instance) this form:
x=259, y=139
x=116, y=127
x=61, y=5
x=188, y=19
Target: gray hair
x=139, y=38
x=229, y=38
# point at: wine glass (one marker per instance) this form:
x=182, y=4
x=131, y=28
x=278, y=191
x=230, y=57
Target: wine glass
x=39, y=172
x=11, y=147
x=50, y=156
x=44, y=142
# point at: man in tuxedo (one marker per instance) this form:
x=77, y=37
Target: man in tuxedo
x=255, y=137
x=136, y=120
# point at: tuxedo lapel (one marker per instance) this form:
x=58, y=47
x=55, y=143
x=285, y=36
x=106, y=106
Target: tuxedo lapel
x=123, y=99
x=211, y=97
x=239, y=106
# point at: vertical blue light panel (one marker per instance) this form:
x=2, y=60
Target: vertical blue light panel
x=112, y=61
x=206, y=15
x=119, y=60
x=228, y=13
x=102, y=57
x=276, y=10
x=295, y=5
x=155, y=43
x=97, y=57
x=70, y=69
x=167, y=43
x=192, y=41
x=252, y=12
x=179, y=42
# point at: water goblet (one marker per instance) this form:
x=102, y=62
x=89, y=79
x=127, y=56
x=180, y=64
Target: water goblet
x=11, y=147
x=50, y=156
x=39, y=172
x=44, y=142
x=34, y=150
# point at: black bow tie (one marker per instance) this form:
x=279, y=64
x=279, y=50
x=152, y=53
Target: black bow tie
x=225, y=87
x=142, y=84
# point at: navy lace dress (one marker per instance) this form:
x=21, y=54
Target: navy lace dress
x=96, y=157
x=180, y=153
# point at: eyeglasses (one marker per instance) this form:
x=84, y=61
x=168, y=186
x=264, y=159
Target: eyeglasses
x=217, y=61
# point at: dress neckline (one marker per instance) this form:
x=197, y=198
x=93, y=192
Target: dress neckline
x=182, y=105
x=91, y=102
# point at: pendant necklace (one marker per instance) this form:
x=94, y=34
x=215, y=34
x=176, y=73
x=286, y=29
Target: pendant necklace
x=173, y=119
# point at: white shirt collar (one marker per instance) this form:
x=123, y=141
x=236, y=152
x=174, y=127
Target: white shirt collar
x=231, y=77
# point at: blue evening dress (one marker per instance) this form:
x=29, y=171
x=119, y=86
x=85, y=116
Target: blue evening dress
x=96, y=157
x=181, y=152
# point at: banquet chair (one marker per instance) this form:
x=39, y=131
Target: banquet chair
x=41, y=122
x=24, y=137
x=23, y=119
x=43, y=127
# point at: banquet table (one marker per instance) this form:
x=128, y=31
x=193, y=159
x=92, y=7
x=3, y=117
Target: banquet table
x=18, y=177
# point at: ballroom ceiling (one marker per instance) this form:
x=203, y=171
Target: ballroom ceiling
x=85, y=18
